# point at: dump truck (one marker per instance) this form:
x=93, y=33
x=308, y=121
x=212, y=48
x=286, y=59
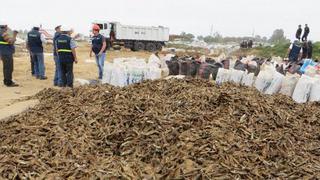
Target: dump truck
x=136, y=38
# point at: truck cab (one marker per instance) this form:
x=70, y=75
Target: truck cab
x=105, y=28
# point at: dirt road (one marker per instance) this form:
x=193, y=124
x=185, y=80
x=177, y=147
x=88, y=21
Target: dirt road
x=85, y=69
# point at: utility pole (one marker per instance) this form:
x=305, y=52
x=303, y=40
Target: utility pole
x=253, y=33
x=211, y=32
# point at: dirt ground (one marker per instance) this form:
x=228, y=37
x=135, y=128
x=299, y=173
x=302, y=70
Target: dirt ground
x=85, y=69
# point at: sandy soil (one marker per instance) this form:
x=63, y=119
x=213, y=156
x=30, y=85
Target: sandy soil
x=85, y=69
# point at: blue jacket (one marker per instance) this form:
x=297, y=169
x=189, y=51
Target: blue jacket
x=5, y=47
x=294, y=53
x=34, y=41
x=64, y=48
x=97, y=43
x=56, y=35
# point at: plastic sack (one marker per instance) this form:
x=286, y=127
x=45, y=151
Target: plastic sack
x=236, y=76
x=222, y=76
x=247, y=79
x=289, y=84
x=168, y=57
x=216, y=68
x=136, y=74
x=263, y=81
x=303, y=88
x=107, y=73
x=276, y=83
x=314, y=94
x=174, y=67
x=153, y=73
x=154, y=60
x=164, y=72
x=205, y=70
x=311, y=71
x=119, y=76
x=306, y=64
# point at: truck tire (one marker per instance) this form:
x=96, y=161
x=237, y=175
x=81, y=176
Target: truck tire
x=159, y=46
x=138, y=46
x=151, y=47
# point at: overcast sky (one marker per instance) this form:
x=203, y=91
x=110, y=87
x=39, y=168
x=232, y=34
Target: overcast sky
x=228, y=17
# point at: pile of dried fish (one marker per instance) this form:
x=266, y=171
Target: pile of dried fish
x=175, y=129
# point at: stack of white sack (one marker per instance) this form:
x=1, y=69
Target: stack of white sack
x=126, y=71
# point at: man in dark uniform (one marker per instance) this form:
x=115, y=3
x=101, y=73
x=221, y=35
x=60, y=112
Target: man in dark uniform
x=305, y=50
x=57, y=78
x=7, y=50
x=295, y=51
x=65, y=47
x=306, y=33
x=99, y=46
x=299, y=32
x=310, y=50
x=35, y=41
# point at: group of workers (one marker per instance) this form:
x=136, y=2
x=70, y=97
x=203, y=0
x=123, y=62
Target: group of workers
x=299, y=50
x=305, y=33
x=64, y=53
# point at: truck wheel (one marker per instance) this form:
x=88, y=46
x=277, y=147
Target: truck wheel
x=138, y=46
x=151, y=47
x=159, y=46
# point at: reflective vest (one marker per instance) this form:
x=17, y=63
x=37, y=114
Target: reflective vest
x=97, y=43
x=64, y=48
x=56, y=35
x=34, y=41
x=5, y=47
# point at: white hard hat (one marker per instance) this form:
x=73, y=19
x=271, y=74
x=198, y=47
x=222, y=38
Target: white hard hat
x=65, y=28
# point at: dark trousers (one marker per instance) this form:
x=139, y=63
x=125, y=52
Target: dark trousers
x=7, y=60
x=305, y=37
x=32, y=65
x=66, y=74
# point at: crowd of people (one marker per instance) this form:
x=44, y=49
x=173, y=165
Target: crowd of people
x=64, y=53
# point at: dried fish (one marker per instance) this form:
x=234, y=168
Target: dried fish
x=164, y=129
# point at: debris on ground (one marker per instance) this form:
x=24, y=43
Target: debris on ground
x=163, y=129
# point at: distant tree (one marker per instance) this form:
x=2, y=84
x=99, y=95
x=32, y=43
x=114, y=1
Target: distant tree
x=278, y=37
x=208, y=39
x=187, y=36
x=200, y=38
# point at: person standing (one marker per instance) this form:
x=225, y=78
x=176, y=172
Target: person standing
x=310, y=50
x=35, y=41
x=57, y=74
x=99, y=46
x=66, y=50
x=298, y=33
x=306, y=33
x=295, y=51
x=7, y=50
x=305, y=50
